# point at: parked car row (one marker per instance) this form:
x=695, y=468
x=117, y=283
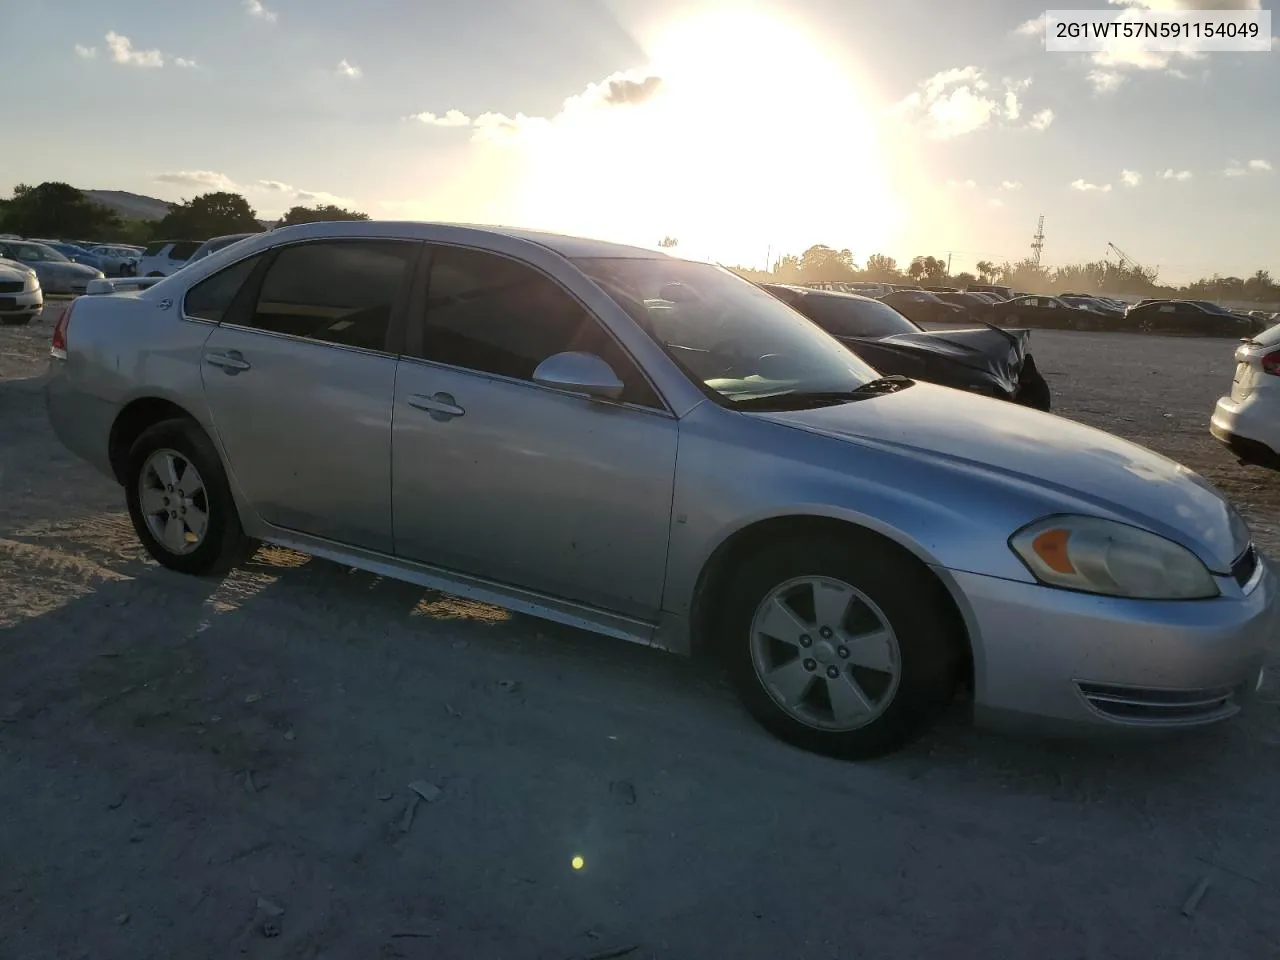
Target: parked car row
x=57, y=273
x=497, y=414
x=114, y=260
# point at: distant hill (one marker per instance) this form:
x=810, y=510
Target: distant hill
x=134, y=206
x=130, y=206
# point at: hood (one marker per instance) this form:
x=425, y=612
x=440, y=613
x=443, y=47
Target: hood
x=1068, y=466
x=11, y=271
x=995, y=352
x=70, y=269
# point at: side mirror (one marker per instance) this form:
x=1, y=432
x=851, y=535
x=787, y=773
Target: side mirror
x=579, y=373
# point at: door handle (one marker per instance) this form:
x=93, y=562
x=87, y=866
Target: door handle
x=440, y=405
x=231, y=362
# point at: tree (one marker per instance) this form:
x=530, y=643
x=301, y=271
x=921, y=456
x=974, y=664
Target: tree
x=927, y=269
x=667, y=242
x=964, y=279
x=208, y=215
x=986, y=270
x=319, y=213
x=881, y=269
x=56, y=210
x=822, y=264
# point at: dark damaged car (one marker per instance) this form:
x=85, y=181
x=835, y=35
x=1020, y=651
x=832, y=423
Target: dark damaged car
x=986, y=360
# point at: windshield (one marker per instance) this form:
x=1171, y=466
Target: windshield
x=738, y=341
x=35, y=253
x=846, y=316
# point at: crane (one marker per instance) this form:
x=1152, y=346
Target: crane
x=1125, y=259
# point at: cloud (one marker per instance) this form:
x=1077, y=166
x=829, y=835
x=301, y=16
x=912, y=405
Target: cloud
x=1130, y=178
x=205, y=181
x=1237, y=169
x=349, y=70
x=183, y=62
x=618, y=91
x=450, y=118
x=1010, y=185
x=255, y=8
x=86, y=53
x=1041, y=120
x=1105, y=81
x=122, y=52
x=198, y=179
x=1085, y=187
x=1032, y=28
x=961, y=100
x=1189, y=4
x=1182, y=176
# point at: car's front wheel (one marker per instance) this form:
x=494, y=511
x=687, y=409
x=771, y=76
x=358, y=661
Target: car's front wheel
x=840, y=645
x=180, y=501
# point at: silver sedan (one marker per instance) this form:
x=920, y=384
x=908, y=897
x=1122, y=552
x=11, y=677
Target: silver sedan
x=57, y=274
x=656, y=450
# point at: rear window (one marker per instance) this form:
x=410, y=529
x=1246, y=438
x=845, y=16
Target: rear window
x=855, y=317
x=153, y=249
x=183, y=249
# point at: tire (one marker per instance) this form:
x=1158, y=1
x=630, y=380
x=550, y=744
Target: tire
x=155, y=273
x=16, y=321
x=220, y=544
x=923, y=645
x=1033, y=389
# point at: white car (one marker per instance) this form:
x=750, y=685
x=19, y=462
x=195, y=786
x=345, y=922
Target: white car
x=21, y=298
x=117, y=260
x=165, y=257
x=1247, y=420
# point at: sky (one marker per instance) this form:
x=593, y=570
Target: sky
x=742, y=129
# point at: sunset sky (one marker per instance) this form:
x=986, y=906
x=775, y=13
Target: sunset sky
x=912, y=127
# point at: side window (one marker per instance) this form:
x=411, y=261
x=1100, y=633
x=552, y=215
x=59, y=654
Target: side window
x=211, y=297
x=340, y=291
x=154, y=249
x=1168, y=308
x=183, y=250
x=494, y=315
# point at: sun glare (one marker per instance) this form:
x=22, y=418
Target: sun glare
x=757, y=139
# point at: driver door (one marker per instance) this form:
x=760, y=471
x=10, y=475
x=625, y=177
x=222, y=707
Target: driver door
x=502, y=478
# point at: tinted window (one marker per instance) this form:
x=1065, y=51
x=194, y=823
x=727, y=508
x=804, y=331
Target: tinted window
x=494, y=315
x=854, y=317
x=211, y=297
x=154, y=249
x=337, y=292
x=183, y=249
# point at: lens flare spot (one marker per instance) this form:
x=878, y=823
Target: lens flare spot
x=577, y=862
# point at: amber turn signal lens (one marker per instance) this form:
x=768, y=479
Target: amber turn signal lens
x=1051, y=547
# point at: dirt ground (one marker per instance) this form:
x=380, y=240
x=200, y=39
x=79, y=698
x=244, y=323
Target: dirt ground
x=191, y=768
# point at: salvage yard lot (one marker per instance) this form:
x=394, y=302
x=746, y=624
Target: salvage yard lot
x=180, y=757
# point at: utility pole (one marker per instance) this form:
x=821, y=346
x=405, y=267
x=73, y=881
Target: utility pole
x=948, y=263
x=1037, y=242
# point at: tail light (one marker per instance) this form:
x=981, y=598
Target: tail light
x=1271, y=363
x=58, y=345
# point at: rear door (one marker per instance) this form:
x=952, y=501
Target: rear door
x=300, y=376
x=505, y=479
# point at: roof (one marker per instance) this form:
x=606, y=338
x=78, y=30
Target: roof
x=818, y=292
x=570, y=247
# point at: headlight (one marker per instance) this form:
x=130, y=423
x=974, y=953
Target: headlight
x=33, y=281
x=1102, y=556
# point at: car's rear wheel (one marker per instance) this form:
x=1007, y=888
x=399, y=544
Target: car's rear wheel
x=840, y=646
x=180, y=501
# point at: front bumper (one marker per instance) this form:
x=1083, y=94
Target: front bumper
x=1244, y=427
x=26, y=303
x=1065, y=658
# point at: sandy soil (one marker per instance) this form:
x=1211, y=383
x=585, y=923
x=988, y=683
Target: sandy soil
x=181, y=760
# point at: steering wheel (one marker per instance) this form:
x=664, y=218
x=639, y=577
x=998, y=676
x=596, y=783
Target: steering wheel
x=738, y=359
